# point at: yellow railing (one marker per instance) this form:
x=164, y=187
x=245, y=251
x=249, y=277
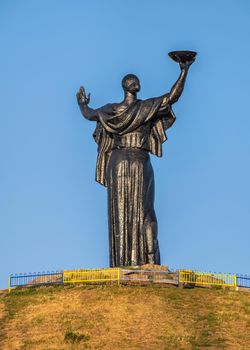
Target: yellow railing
x=98, y=275
x=203, y=278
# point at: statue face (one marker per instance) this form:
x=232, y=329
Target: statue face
x=131, y=83
x=134, y=86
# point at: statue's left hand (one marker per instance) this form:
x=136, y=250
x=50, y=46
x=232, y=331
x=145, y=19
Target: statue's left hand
x=81, y=96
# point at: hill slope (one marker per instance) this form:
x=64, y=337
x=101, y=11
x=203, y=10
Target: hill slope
x=135, y=317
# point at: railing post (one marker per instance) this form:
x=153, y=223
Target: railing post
x=119, y=276
x=9, y=288
x=235, y=282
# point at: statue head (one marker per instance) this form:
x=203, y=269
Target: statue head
x=131, y=83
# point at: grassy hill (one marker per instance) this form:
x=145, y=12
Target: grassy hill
x=126, y=317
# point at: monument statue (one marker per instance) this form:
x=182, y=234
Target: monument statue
x=126, y=132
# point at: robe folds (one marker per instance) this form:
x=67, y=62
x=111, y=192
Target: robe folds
x=125, y=136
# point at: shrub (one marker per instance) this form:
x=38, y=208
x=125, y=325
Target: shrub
x=73, y=337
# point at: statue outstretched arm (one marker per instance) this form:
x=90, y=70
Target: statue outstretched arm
x=83, y=100
x=177, y=88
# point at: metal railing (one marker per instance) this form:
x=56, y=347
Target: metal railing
x=35, y=278
x=130, y=276
x=204, y=278
x=243, y=281
x=92, y=276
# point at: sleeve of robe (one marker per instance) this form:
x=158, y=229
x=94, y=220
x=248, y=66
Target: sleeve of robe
x=163, y=120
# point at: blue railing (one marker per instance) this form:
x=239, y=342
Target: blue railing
x=243, y=281
x=31, y=279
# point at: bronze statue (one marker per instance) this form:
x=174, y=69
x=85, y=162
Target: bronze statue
x=126, y=133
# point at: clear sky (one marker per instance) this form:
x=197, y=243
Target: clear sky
x=53, y=213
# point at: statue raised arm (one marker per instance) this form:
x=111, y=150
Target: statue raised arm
x=83, y=101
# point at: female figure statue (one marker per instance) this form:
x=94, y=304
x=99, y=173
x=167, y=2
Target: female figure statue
x=126, y=133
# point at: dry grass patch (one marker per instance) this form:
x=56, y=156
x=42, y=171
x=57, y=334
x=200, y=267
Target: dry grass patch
x=129, y=318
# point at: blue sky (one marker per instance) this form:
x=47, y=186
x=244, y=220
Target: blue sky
x=53, y=213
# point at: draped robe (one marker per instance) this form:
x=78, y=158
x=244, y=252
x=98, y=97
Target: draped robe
x=125, y=136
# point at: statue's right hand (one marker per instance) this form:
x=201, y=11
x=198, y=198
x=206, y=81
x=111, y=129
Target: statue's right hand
x=185, y=65
x=81, y=96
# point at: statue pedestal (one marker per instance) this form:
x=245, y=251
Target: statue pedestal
x=147, y=267
x=148, y=274
x=154, y=267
